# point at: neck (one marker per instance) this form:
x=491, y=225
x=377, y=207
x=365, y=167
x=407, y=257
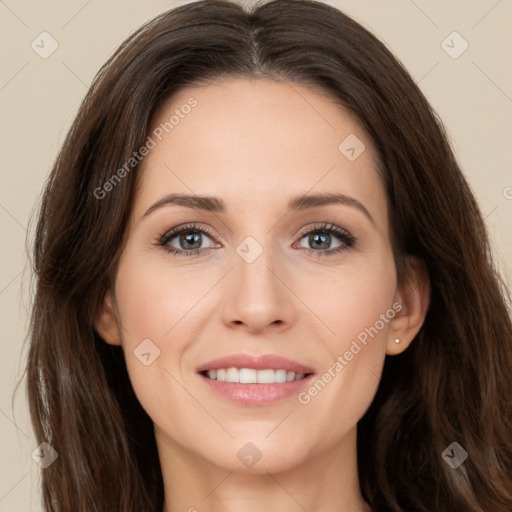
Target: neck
x=324, y=482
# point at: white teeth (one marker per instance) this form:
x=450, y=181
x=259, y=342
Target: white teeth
x=280, y=375
x=266, y=376
x=232, y=375
x=252, y=376
x=247, y=375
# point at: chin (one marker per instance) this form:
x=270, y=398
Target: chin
x=258, y=457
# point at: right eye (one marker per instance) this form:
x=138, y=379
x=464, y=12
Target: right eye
x=185, y=240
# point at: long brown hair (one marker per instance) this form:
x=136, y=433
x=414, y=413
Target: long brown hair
x=451, y=385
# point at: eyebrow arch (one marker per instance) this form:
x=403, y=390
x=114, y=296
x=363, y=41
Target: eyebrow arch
x=300, y=202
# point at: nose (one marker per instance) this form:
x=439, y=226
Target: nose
x=257, y=297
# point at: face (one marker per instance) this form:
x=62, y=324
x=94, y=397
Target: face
x=275, y=282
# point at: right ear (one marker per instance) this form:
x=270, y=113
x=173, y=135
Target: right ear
x=106, y=323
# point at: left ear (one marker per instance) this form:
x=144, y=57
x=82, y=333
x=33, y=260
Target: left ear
x=413, y=294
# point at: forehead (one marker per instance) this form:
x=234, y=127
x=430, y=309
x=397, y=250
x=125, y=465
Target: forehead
x=258, y=143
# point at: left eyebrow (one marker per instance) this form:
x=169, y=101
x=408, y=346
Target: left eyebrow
x=304, y=201
x=300, y=202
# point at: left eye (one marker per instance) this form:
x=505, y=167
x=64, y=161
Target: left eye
x=321, y=236
x=323, y=239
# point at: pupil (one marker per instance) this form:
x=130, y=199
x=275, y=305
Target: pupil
x=325, y=238
x=191, y=238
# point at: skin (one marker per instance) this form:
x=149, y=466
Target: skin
x=255, y=145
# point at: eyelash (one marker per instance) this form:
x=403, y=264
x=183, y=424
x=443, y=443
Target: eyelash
x=344, y=236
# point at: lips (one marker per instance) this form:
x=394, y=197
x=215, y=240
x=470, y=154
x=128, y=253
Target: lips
x=237, y=383
x=262, y=362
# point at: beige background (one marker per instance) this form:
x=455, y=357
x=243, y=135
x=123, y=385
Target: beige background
x=39, y=98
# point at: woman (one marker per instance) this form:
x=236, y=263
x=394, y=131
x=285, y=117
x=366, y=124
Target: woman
x=263, y=282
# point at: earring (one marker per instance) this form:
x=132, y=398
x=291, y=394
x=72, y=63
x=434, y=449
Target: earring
x=397, y=340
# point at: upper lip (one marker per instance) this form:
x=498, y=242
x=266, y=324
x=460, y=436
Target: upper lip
x=261, y=362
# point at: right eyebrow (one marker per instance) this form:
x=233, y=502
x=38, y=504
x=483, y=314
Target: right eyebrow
x=210, y=204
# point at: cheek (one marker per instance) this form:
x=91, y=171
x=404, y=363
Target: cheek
x=354, y=299
x=358, y=315
x=151, y=305
x=152, y=299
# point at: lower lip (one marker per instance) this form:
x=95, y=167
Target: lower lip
x=256, y=394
